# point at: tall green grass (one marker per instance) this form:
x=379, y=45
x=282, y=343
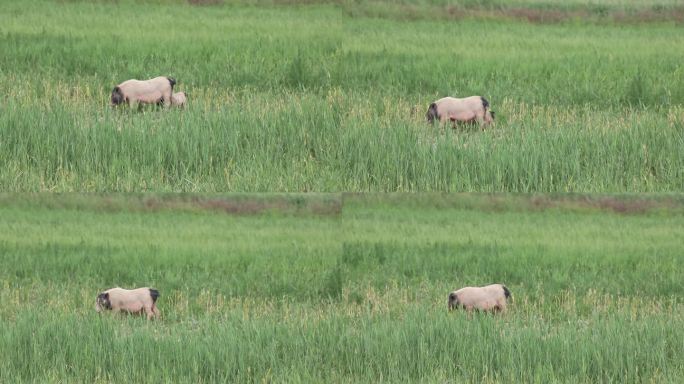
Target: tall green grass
x=353, y=295
x=313, y=98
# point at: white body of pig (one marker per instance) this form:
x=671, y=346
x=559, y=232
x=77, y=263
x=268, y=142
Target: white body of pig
x=134, y=301
x=153, y=91
x=488, y=298
x=466, y=110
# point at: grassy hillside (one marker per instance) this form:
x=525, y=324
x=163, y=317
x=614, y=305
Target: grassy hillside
x=332, y=96
x=342, y=288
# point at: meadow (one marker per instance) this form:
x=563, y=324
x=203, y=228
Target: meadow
x=250, y=209
x=331, y=96
x=342, y=288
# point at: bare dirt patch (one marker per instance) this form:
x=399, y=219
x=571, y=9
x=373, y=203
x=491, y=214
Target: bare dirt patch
x=533, y=15
x=233, y=204
x=502, y=202
x=246, y=205
x=616, y=204
x=205, y=2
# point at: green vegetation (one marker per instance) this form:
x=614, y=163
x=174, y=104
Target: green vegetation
x=331, y=97
x=342, y=288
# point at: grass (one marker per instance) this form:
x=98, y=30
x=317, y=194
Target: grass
x=287, y=291
x=330, y=97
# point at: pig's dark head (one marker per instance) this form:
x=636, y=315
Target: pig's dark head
x=102, y=303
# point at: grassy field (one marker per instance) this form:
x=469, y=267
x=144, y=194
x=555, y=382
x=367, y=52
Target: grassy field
x=342, y=288
x=331, y=96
